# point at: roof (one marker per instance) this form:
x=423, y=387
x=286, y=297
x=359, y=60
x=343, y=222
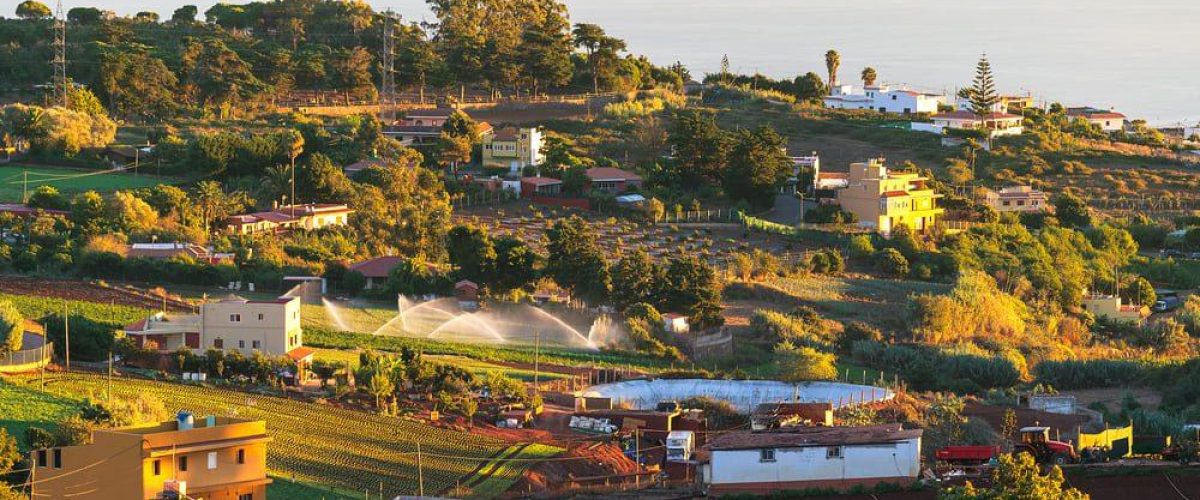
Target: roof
x=506, y=134
x=1094, y=113
x=813, y=436
x=970, y=115
x=790, y=408
x=894, y=194
x=673, y=316
x=379, y=267
x=611, y=174
x=833, y=175
x=365, y=164
x=432, y=112
x=466, y=284
x=137, y=326
x=301, y=353
x=20, y=209
x=413, y=130
x=540, y=181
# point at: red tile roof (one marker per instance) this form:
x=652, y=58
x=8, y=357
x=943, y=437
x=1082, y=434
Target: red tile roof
x=813, y=436
x=893, y=194
x=23, y=210
x=466, y=284
x=611, y=174
x=435, y=112
x=540, y=181
x=301, y=353
x=136, y=326
x=379, y=267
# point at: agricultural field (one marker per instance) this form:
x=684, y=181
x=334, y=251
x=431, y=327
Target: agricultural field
x=35, y=306
x=852, y=298
x=22, y=407
x=475, y=366
x=71, y=180
x=338, y=448
x=498, y=475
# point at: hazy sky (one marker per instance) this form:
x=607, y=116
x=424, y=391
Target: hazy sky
x=1140, y=57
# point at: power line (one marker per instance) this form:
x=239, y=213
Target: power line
x=60, y=56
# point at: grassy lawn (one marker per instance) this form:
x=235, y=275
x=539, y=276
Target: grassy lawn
x=71, y=180
x=316, y=444
x=295, y=490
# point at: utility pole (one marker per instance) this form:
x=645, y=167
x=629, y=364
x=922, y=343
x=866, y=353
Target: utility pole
x=67, y=332
x=537, y=344
x=60, y=57
x=387, y=90
x=293, y=200
x=420, y=473
x=25, y=187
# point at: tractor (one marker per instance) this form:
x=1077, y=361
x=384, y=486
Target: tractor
x=1036, y=442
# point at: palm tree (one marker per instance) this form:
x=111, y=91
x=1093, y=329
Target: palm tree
x=212, y=201
x=832, y=61
x=869, y=76
x=277, y=180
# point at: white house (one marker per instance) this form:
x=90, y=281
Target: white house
x=998, y=123
x=675, y=323
x=811, y=457
x=883, y=99
x=1109, y=121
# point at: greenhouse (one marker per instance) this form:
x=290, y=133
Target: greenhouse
x=645, y=394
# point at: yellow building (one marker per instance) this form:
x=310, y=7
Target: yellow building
x=883, y=200
x=513, y=148
x=216, y=458
x=1111, y=307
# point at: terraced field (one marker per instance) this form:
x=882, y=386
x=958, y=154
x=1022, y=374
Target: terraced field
x=344, y=449
x=477, y=367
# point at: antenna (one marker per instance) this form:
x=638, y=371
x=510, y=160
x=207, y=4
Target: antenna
x=387, y=91
x=60, y=57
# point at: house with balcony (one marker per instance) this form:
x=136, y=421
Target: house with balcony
x=1014, y=199
x=308, y=216
x=232, y=323
x=883, y=199
x=882, y=98
x=996, y=123
x=215, y=457
x=513, y=148
x=1112, y=307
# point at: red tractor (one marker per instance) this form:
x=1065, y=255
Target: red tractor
x=1036, y=442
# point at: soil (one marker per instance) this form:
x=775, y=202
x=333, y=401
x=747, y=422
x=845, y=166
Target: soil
x=586, y=464
x=1115, y=487
x=994, y=416
x=86, y=291
x=1112, y=397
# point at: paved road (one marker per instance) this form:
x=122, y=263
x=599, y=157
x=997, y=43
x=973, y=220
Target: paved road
x=786, y=211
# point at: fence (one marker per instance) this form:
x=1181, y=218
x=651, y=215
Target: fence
x=27, y=360
x=766, y=226
x=683, y=217
x=463, y=200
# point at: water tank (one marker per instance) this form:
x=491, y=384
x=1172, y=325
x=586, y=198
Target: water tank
x=185, y=420
x=210, y=421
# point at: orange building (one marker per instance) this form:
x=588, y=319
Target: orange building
x=216, y=458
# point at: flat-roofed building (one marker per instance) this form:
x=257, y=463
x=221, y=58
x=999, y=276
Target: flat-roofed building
x=213, y=458
x=1015, y=199
x=883, y=199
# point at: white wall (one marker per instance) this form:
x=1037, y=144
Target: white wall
x=899, y=459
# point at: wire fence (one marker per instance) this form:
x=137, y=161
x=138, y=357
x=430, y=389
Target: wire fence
x=465, y=200
x=27, y=359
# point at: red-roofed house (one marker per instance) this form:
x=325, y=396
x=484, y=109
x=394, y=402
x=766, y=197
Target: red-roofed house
x=27, y=211
x=540, y=186
x=810, y=457
x=675, y=323
x=376, y=270
x=612, y=180
x=1109, y=121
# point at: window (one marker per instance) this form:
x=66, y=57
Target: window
x=41, y=458
x=1007, y=203
x=1020, y=203
x=260, y=316
x=157, y=467
x=241, y=344
x=219, y=343
x=893, y=98
x=235, y=318
x=57, y=458
x=212, y=460
x=833, y=452
x=241, y=456
x=183, y=463
x=766, y=455
x=246, y=496
x=255, y=344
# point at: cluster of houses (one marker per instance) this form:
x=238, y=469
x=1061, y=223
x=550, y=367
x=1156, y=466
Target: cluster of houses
x=1004, y=119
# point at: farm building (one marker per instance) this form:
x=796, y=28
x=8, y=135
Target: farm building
x=811, y=457
x=376, y=270
x=163, y=251
x=284, y=218
x=775, y=415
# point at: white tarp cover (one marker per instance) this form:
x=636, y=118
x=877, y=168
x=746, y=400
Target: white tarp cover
x=644, y=394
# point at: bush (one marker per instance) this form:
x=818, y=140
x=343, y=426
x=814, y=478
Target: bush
x=891, y=262
x=927, y=368
x=829, y=214
x=91, y=340
x=861, y=246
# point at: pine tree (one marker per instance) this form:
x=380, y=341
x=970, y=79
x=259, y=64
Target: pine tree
x=983, y=91
x=725, y=68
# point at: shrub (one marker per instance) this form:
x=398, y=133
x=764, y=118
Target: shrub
x=861, y=246
x=891, y=262
x=928, y=368
x=829, y=214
